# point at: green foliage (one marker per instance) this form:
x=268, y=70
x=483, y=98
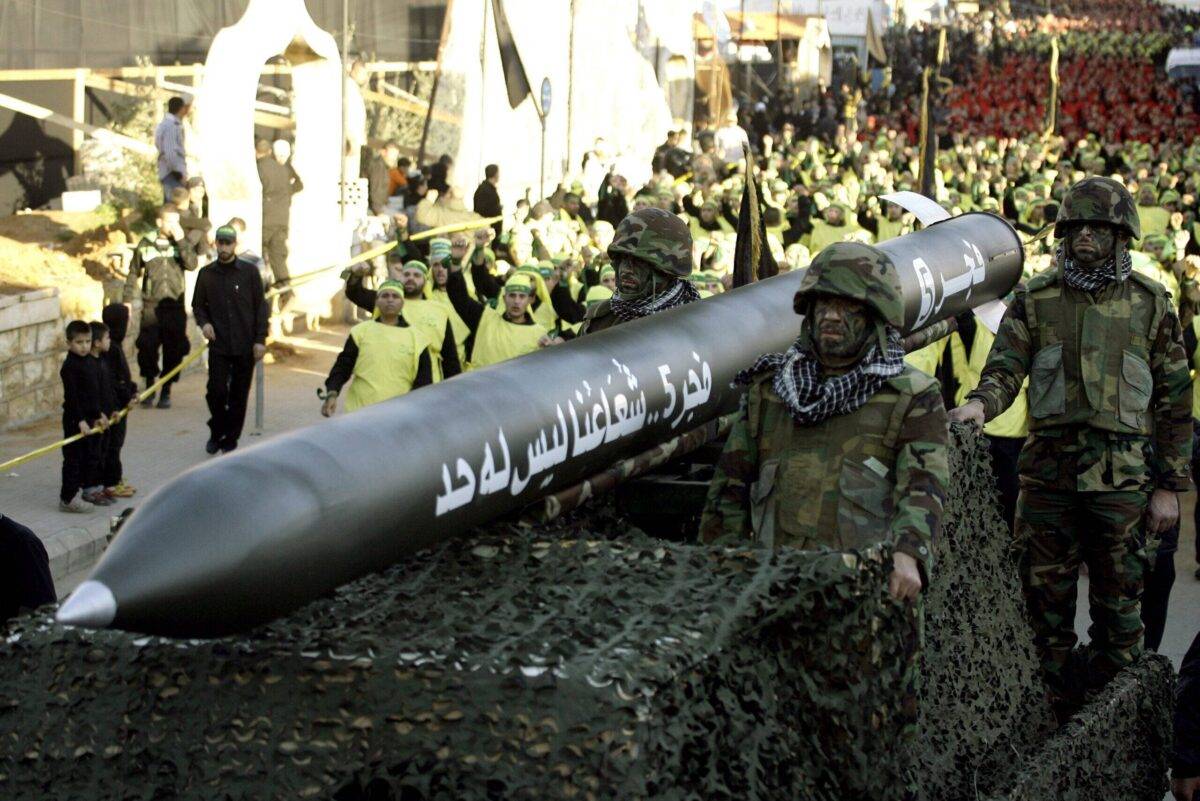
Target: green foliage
x=127, y=179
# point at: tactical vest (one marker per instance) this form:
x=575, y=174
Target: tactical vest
x=388, y=357
x=1091, y=359
x=831, y=484
x=498, y=340
x=430, y=319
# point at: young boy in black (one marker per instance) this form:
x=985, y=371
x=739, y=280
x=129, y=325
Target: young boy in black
x=80, y=375
x=116, y=366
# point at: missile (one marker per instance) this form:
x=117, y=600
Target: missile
x=246, y=538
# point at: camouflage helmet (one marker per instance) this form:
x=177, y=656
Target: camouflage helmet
x=857, y=271
x=1098, y=199
x=656, y=237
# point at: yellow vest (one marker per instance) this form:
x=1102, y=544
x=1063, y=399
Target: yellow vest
x=1012, y=422
x=498, y=340
x=430, y=318
x=825, y=234
x=460, y=328
x=388, y=356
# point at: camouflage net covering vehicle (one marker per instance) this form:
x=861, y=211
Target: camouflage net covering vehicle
x=576, y=661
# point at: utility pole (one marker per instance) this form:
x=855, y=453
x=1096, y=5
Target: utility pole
x=345, y=108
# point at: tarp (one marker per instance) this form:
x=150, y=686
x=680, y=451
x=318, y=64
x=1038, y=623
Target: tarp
x=608, y=89
x=758, y=26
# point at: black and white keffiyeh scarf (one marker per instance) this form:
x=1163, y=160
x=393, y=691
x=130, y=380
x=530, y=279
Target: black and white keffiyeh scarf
x=678, y=294
x=812, y=397
x=1092, y=280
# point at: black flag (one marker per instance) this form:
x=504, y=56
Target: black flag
x=752, y=259
x=514, y=71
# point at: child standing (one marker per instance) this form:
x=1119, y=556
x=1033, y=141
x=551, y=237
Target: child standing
x=81, y=411
x=114, y=363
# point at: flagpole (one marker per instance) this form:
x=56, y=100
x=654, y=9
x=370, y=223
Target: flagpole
x=1052, y=105
x=437, y=77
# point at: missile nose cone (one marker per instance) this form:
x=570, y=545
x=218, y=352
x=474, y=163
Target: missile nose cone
x=91, y=605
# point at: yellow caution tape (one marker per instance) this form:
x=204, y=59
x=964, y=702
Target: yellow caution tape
x=116, y=418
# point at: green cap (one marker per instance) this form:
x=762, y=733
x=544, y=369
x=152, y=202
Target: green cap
x=226, y=232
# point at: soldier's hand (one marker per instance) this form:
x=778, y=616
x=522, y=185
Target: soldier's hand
x=969, y=412
x=330, y=405
x=208, y=332
x=1163, y=512
x=905, y=582
x=1186, y=789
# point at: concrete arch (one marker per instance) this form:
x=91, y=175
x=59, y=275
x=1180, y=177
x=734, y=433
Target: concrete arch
x=224, y=127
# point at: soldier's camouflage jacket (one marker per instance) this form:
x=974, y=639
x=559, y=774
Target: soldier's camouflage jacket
x=853, y=480
x=158, y=265
x=1109, y=399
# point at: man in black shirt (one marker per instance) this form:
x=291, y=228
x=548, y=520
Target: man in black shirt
x=487, y=198
x=230, y=307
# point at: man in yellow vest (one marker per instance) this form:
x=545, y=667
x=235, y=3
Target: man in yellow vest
x=501, y=332
x=385, y=357
x=430, y=316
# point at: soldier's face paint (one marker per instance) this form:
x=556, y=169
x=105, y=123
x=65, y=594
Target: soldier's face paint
x=635, y=278
x=1091, y=243
x=841, y=327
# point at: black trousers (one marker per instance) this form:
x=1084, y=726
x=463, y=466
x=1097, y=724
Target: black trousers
x=275, y=250
x=80, y=461
x=229, y=379
x=1005, y=452
x=1160, y=578
x=1196, y=480
x=111, y=471
x=168, y=332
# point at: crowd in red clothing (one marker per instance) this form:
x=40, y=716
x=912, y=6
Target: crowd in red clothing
x=1116, y=99
x=1111, y=77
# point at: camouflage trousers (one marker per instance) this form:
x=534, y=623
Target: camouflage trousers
x=1058, y=531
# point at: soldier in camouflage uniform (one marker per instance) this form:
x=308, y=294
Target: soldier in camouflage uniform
x=652, y=252
x=1110, y=432
x=838, y=443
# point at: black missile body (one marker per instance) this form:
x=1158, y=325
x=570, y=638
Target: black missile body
x=248, y=537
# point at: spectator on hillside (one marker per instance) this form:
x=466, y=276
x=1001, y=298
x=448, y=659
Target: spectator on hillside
x=279, y=182
x=172, y=151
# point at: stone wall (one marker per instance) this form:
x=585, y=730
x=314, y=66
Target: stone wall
x=32, y=346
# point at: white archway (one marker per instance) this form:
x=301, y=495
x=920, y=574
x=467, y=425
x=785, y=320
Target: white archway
x=224, y=127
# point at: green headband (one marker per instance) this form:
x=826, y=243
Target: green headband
x=417, y=265
x=396, y=285
x=518, y=283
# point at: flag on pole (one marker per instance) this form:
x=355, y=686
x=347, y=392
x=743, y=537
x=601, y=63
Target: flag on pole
x=752, y=259
x=1052, y=103
x=515, y=78
x=931, y=79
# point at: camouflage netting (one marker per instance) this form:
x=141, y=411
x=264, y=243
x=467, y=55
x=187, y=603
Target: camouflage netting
x=597, y=668
x=982, y=697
